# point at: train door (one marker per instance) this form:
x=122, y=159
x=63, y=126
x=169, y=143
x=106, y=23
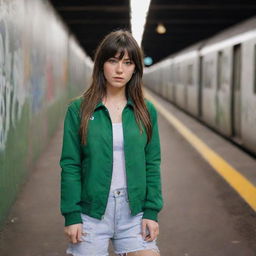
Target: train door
x=171, y=79
x=236, y=92
x=185, y=84
x=176, y=81
x=200, y=81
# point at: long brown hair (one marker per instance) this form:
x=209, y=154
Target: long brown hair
x=116, y=41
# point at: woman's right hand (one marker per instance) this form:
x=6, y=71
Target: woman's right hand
x=74, y=232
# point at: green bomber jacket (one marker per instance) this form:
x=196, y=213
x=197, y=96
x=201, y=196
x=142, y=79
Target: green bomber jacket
x=86, y=170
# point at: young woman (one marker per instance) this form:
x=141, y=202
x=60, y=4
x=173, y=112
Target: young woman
x=110, y=160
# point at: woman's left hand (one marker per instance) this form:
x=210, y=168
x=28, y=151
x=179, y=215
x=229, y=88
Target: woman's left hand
x=152, y=227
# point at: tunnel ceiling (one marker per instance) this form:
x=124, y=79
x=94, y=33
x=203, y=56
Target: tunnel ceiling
x=187, y=22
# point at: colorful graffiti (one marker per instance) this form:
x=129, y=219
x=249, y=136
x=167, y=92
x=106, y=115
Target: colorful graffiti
x=33, y=68
x=35, y=84
x=12, y=92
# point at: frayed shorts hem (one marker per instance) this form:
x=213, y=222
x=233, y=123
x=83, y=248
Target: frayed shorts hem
x=124, y=253
x=68, y=251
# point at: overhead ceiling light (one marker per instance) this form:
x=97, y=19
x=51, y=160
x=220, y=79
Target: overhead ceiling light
x=138, y=16
x=160, y=29
x=148, y=61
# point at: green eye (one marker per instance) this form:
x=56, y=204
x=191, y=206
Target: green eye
x=112, y=61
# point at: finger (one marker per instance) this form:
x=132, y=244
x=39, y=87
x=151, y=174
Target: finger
x=79, y=235
x=147, y=239
x=73, y=239
x=152, y=235
x=143, y=229
x=151, y=231
x=155, y=235
x=148, y=234
x=156, y=231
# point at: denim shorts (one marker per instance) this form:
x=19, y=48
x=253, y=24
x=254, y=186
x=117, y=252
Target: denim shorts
x=117, y=225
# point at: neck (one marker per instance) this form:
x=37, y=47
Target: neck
x=115, y=94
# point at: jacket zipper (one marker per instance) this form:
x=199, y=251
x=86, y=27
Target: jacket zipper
x=125, y=158
x=112, y=152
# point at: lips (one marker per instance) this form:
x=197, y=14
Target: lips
x=118, y=78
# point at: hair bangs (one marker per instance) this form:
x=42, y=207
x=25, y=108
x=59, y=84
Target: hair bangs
x=119, y=46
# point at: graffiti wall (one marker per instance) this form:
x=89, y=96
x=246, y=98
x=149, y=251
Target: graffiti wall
x=36, y=81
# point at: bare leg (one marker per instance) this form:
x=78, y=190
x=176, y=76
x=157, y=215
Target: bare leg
x=151, y=252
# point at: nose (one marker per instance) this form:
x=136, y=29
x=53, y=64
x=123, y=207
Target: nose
x=119, y=68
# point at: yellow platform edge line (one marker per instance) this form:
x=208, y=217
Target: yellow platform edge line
x=233, y=177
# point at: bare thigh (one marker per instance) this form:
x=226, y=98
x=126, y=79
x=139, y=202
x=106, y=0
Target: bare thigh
x=151, y=252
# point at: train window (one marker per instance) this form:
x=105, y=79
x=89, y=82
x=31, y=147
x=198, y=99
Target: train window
x=220, y=68
x=208, y=74
x=222, y=75
x=237, y=66
x=254, y=69
x=190, y=74
x=178, y=75
x=183, y=76
x=225, y=69
x=171, y=74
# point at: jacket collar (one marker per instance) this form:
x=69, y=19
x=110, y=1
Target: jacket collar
x=129, y=103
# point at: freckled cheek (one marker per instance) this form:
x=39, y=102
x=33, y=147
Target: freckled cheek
x=107, y=71
x=129, y=74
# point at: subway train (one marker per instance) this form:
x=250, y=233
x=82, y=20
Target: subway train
x=214, y=80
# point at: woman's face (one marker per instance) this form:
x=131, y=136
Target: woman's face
x=118, y=72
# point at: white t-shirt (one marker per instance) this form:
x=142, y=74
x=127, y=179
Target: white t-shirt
x=119, y=173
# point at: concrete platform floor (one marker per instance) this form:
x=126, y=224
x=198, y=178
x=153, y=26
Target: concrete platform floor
x=202, y=215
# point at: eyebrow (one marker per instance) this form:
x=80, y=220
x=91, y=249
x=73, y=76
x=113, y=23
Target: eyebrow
x=124, y=59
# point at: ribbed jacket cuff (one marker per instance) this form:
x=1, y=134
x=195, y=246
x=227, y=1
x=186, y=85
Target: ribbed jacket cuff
x=72, y=218
x=150, y=214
